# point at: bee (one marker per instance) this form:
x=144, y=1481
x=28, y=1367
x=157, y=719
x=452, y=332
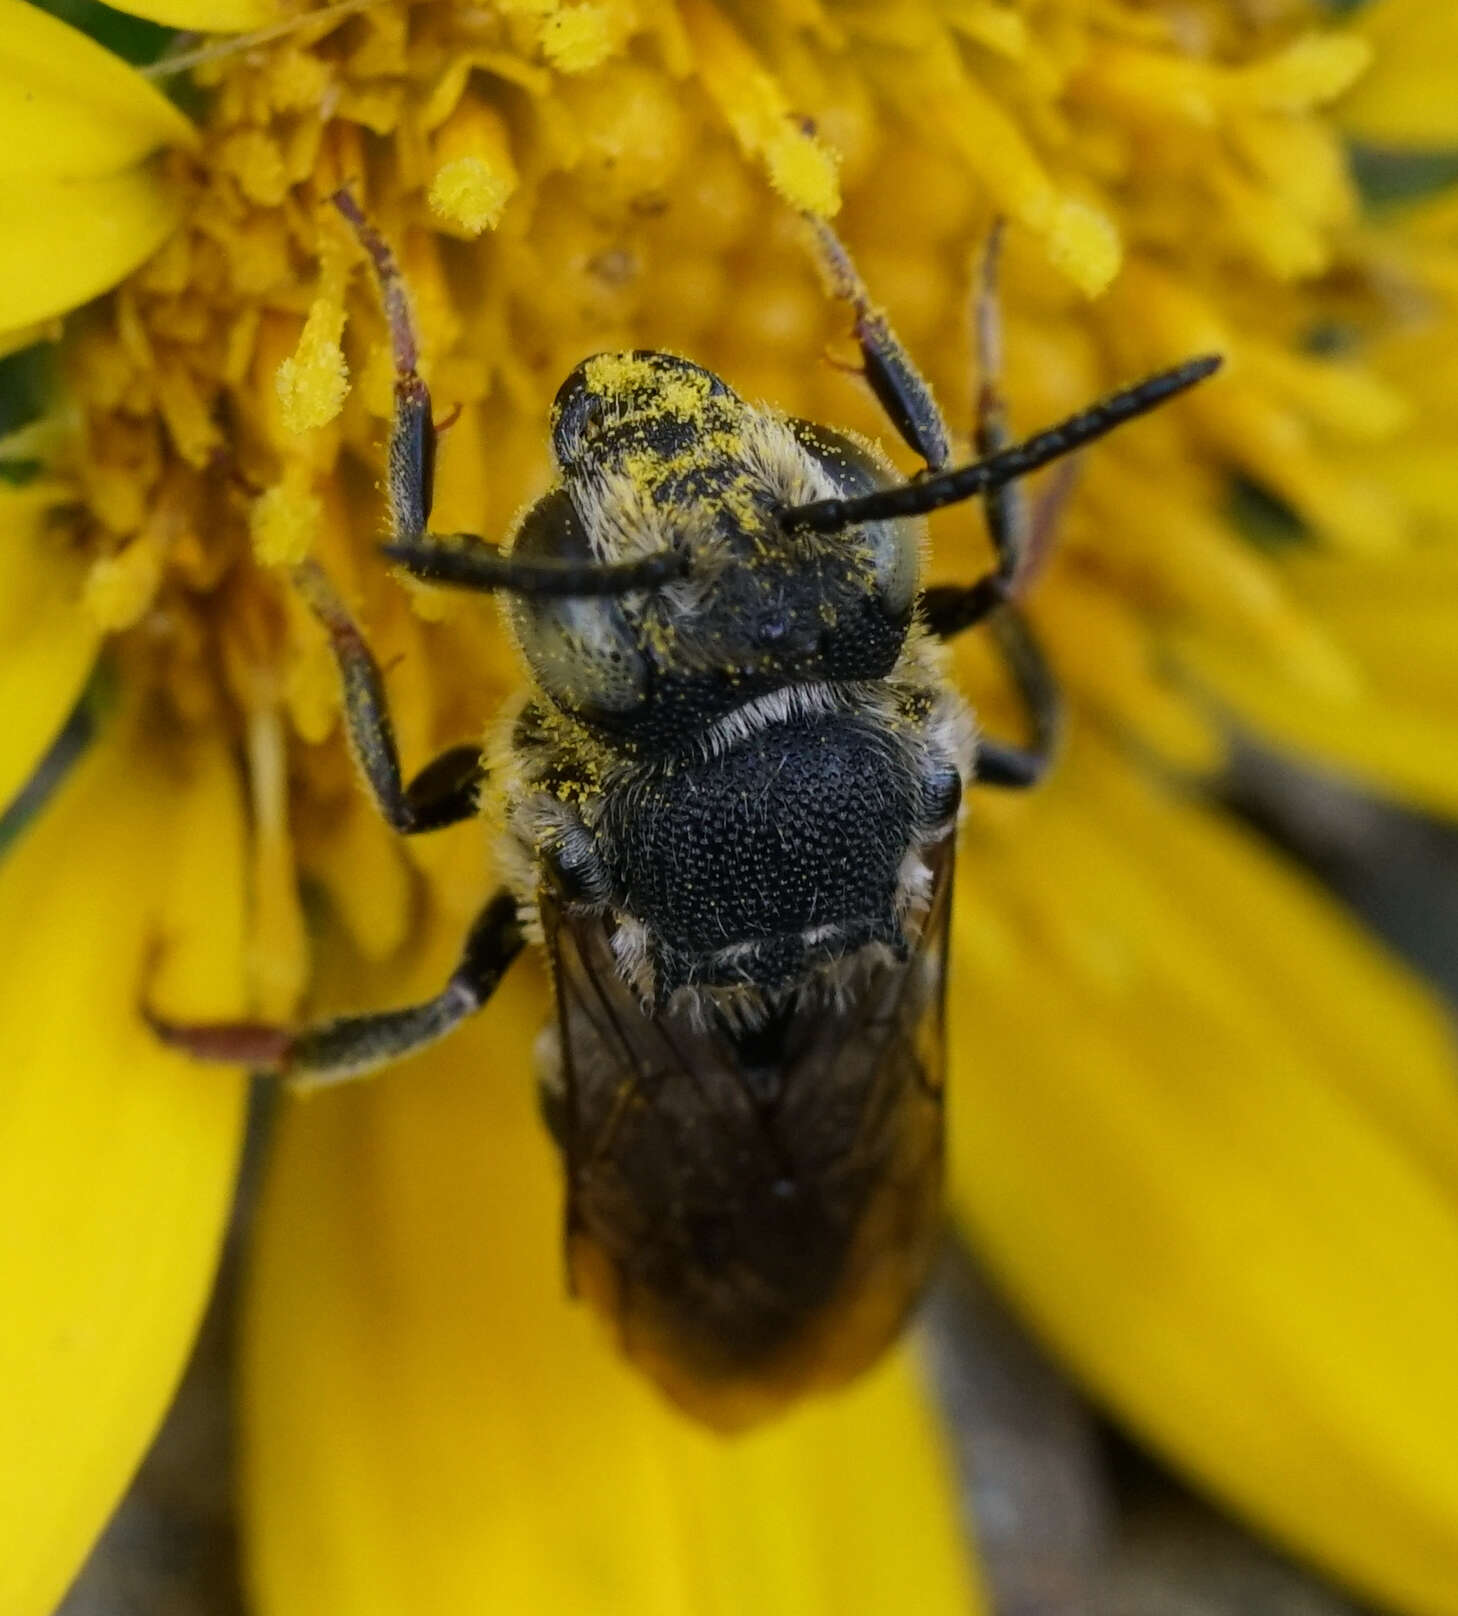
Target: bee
x=730, y=800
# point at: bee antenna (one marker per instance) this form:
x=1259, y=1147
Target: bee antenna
x=930, y=493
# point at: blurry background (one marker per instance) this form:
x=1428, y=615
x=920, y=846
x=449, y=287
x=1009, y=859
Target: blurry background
x=1069, y=1516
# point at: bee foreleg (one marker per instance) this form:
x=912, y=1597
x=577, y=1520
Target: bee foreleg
x=411, y=473
x=459, y=559
x=899, y=386
x=445, y=790
x=1021, y=537
x=351, y=1046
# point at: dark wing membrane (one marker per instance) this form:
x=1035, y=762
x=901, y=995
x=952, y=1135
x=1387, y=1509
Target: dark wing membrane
x=752, y=1209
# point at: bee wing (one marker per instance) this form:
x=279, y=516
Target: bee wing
x=739, y=1208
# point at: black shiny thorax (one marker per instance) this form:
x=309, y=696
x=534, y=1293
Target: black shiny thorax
x=752, y=861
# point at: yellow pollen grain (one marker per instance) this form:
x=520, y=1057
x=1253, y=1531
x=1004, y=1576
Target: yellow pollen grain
x=577, y=40
x=804, y=171
x=617, y=373
x=285, y=519
x=801, y=167
x=466, y=193
x=475, y=172
x=1085, y=246
x=313, y=383
x=685, y=396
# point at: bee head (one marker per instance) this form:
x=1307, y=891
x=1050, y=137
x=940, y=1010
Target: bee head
x=658, y=454
x=614, y=404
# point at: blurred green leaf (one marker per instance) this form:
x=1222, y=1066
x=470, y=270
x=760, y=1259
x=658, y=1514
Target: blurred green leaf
x=1263, y=517
x=130, y=37
x=1388, y=175
x=25, y=382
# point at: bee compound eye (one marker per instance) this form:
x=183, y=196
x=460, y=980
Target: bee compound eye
x=580, y=648
x=893, y=549
x=583, y=654
x=895, y=556
x=576, y=410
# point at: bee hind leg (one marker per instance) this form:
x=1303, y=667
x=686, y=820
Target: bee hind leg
x=351, y=1046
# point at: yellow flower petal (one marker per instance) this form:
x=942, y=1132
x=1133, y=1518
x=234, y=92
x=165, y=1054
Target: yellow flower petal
x=116, y=1157
x=66, y=240
x=47, y=647
x=25, y=336
x=1232, y=1201
x=431, y=1425
x=1406, y=97
x=69, y=108
x=1311, y=70
x=1392, y=727
x=208, y=16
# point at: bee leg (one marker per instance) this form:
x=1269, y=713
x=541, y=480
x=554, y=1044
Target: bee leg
x=445, y=791
x=461, y=559
x=1004, y=508
x=1019, y=540
x=351, y=1046
x=999, y=763
x=899, y=386
x=410, y=480
x=1019, y=543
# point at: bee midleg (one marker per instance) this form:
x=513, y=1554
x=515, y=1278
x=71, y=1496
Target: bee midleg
x=1018, y=540
x=351, y=1046
x=1020, y=534
x=900, y=388
x=445, y=790
x=1004, y=509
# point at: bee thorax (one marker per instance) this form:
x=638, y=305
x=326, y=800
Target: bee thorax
x=747, y=865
